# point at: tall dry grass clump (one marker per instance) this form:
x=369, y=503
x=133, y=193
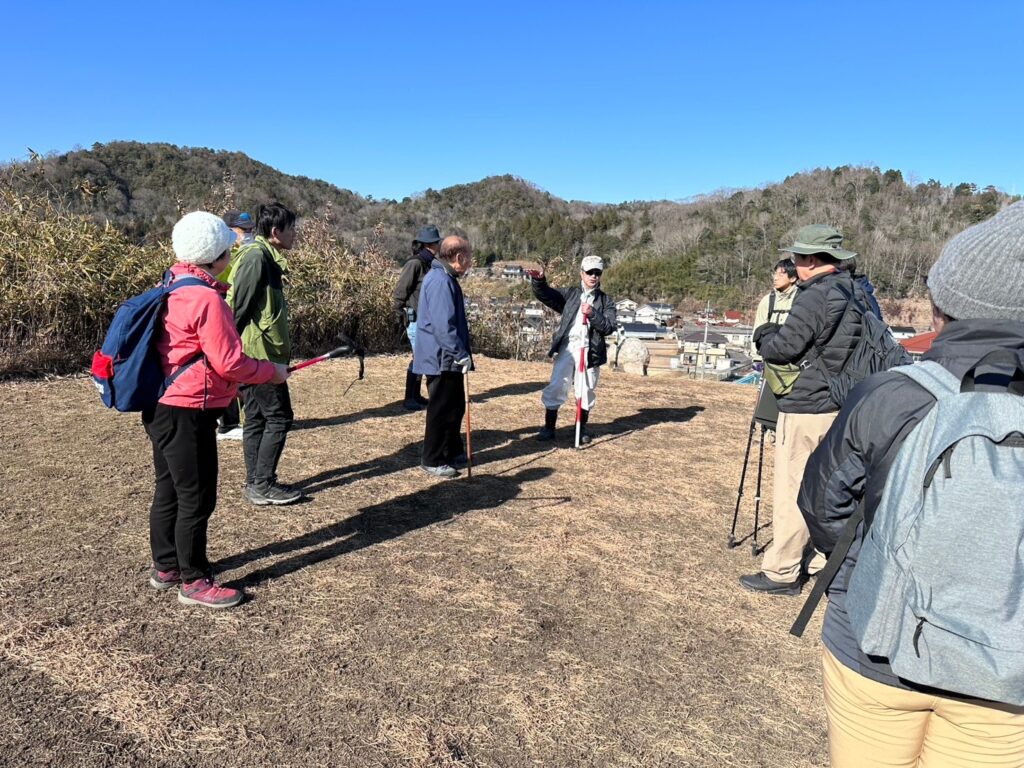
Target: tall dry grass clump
x=61, y=279
x=333, y=288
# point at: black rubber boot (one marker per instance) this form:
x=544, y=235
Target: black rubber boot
x=584, y=437
x=412, y=393
x=548, y=432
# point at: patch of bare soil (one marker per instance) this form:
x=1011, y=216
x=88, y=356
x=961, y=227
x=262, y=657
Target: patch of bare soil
x=560, y=608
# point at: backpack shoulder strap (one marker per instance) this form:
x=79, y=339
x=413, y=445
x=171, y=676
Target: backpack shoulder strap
x=828, y=573
x=939, y=382
x=771, y=305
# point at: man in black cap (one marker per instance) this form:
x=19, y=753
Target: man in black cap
x=406, y=299
x=229, y=426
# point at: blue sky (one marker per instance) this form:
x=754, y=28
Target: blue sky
x=593, y=101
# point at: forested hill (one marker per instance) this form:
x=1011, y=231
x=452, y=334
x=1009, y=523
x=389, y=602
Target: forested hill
x=720, y=245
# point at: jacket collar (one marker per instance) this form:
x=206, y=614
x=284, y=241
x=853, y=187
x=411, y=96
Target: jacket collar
x=275, y=254
x=448, y=268
x=425, y=256
x=181, y=269
x=963, y=342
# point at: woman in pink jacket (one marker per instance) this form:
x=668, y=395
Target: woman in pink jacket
x=200, y=340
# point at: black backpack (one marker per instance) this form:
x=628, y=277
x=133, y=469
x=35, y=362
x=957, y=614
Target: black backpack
x=876, y=351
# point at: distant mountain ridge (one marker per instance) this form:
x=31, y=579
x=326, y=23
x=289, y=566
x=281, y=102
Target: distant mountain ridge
x=719, y=246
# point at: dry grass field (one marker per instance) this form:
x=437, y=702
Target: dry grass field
x=559, y=608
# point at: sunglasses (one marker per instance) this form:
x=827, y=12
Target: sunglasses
x=593, y=272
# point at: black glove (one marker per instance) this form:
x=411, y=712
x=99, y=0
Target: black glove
x=763, y=330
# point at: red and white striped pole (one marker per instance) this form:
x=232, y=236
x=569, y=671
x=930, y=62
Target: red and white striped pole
x=581, y=382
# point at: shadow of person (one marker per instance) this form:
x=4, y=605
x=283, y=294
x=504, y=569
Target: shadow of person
x=395, y=408
x=490, y=445
x=391, y=519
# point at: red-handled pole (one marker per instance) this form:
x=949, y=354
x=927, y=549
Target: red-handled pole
x=327, y=356
x=581, y=384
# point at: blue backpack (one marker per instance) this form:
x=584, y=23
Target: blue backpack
x=126, y=369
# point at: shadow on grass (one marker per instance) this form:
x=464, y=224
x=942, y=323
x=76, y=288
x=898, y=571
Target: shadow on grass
x=388, y=520
x=491, y=445
x=395, y=408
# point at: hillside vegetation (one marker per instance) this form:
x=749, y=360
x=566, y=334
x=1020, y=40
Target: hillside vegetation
x=82, y=231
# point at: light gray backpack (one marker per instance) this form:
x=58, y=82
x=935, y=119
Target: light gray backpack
x=938, y=589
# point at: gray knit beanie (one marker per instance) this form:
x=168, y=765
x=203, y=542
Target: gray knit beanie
x=980, y=272
x=200, y=237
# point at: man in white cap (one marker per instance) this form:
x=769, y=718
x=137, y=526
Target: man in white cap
x=588, y=315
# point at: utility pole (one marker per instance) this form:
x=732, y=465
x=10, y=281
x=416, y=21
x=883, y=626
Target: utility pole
x=704, y=344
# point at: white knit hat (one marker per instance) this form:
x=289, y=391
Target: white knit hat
x=200, y=238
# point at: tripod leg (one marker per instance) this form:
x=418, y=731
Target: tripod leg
x=739, y=493
x=757, y=493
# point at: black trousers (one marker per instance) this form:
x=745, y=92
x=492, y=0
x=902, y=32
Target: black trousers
x=230, y=419
x=268, y=417
x=185, y=464
x=442, y=441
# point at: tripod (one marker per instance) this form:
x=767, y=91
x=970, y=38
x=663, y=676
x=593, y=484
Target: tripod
x=766, y=415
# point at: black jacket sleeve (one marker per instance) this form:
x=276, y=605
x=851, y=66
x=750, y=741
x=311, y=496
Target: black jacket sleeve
x=604, y=322
x=547, y=295
x=407, y=281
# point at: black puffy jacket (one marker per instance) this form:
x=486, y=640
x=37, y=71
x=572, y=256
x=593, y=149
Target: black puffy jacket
x=566, y=301
x=819, y=318
x=852, y=463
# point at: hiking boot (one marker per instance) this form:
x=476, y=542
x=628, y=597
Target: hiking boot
x=271, y=493
x=235, y=433
x=444, y=470
x=584, y=418
x=413, y=401
x=460, y=462
x=758, y=582
x=164, y=580
x=207, y=593
x=547, y=432
x=412, y=405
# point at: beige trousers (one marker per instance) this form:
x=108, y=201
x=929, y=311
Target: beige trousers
x=796, y=437
x=871, y=725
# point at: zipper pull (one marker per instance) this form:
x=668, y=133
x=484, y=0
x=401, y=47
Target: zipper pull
x=917, y=636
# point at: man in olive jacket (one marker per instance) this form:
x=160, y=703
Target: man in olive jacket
x=261, y=315
x=818, y=323
x=588, y=315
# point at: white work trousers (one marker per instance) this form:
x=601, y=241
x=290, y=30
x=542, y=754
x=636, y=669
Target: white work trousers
x=564, y=375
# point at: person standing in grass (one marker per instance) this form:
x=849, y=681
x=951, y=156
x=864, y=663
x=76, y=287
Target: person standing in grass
x=774, y=306
x=443, y=355
x=229, y=427
x=261, y=317
x=200, y=347
x=406, y=300
x=588, y=316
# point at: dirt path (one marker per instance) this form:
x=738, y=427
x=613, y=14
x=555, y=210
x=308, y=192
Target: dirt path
x=561, y=608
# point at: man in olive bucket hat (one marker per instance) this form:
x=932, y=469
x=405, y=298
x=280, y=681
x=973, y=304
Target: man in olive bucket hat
x=406, y=297
x=819, y=319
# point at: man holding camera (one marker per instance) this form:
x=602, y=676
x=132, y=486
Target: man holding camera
x=818, y=323
x=442, y=353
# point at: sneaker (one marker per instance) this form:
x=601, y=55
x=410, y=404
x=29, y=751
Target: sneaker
x=442, y=471
x=758, y=582
x=207, y=593
x=412, y=405
x=235, y=433
x=164, y=580
x=278, y=495
x=546, y=434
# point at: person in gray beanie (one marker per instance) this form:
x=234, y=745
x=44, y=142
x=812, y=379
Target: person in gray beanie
x=875, y=717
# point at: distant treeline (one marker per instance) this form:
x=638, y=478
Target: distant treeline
x=720, y=246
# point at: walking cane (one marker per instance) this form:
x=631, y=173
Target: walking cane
x=582, y=384
x=469, y=427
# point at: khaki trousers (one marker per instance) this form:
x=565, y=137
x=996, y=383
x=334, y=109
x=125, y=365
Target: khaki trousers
x=871, y=725
x=796, y=437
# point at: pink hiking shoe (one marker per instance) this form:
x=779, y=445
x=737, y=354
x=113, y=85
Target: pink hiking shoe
x=207, y=593
x=164, y=580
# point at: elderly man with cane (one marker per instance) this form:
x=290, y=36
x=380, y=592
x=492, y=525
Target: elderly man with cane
x=442, y=353
x=588, y=315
